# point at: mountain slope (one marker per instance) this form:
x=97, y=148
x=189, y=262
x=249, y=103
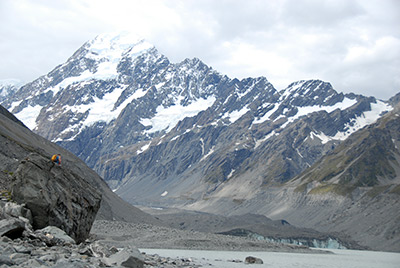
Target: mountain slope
x=354, y=190
x=17, y=142
x=367, y=173
x=368, y=158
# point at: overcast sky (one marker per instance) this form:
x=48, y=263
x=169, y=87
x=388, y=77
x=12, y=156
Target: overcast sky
x=355, y=45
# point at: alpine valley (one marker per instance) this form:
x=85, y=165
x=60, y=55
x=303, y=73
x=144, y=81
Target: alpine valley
x=183, y=136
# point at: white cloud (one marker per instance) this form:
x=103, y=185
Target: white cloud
x=353, y=44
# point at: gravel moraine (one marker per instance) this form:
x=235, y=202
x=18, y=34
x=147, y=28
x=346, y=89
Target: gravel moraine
x=122, y=234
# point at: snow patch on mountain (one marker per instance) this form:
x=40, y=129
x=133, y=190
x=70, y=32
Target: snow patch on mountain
x=321, y=135
x=166, y=118
x=143, y=148
x=236, y=114
x=100, y=110
x=29, y=115
x=357, y=123
x=69, y=129
x=268, y=114
x=212, y=150
x=103, y=110
x=366, y=118
x=268, y=136
x=346, y=103
x=15, y=104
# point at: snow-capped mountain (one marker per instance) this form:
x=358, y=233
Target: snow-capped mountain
x=118, y=91
x=182, y=134
x=8, y=87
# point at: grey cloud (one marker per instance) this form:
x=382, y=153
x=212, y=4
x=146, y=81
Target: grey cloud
x=301, y=39
x=314, y=13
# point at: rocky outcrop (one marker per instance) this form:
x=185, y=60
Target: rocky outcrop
x=55, y=196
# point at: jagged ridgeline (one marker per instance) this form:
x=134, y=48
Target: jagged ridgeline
x=182, y=134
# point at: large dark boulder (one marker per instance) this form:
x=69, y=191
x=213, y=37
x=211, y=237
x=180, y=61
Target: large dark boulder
x=56, y=196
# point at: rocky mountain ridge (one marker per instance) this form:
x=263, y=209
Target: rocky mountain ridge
x=183, y=135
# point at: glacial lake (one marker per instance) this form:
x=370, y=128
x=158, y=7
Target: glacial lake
x=340, y=258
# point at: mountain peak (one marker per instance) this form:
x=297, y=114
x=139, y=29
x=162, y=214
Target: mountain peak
x=115, y=45
x=11, y=82
x=303, y=87
x=8, y=87
x=305, y=92
x=121, y=40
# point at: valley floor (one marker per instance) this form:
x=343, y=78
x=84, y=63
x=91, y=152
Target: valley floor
x=122, y=234
x=180, y=248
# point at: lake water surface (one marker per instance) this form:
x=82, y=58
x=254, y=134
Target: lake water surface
x=340, y=258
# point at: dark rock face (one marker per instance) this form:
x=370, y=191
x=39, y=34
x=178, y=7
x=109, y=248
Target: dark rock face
x=55, y=196
x=12, y=227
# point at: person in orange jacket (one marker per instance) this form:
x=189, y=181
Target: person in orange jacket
x=56, y=159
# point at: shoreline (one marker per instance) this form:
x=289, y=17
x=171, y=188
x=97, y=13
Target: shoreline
x=228, y=259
